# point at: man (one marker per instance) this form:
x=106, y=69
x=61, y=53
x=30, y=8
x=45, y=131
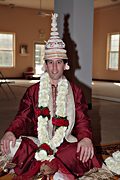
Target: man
x=52, y=123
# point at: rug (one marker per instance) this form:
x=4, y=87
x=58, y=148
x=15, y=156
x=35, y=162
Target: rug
x=106, y=150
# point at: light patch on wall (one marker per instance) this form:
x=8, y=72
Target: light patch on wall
x=33, y=81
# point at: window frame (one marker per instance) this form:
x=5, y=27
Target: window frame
x=39, y=43
x=13, y=49
x=109, y=51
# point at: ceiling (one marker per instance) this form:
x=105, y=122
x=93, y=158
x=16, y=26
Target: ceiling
x=49, y=4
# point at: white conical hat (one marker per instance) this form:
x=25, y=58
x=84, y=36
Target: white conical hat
x=55, y=47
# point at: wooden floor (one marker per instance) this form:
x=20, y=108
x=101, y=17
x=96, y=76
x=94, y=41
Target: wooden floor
x=7, y=177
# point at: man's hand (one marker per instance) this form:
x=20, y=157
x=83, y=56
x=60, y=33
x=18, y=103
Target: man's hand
x=5, y=142
x=85, y=149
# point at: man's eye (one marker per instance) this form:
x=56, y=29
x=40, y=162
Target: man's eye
x=50, y=62
x=59, y=62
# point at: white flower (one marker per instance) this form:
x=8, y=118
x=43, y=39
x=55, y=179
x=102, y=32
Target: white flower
x=42, y=125
x=61, y=114
x=113, y=163
x=58, y=137
x=41, y=155
x=50, y=157
x=116, y=155
x=60, y=98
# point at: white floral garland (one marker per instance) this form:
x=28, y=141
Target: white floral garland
x=113, y=163
x=61, y=100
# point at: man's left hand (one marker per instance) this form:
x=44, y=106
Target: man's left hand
x=85, y=149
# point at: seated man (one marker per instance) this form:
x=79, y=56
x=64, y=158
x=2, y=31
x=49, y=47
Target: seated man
x=51, y=132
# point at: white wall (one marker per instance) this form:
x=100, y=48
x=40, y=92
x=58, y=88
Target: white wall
x=81, y=32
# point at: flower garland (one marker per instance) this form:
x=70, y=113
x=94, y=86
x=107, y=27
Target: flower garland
x=48, y=147
x=113, y=163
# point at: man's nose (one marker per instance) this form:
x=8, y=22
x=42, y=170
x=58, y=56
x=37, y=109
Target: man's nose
x=55, y=68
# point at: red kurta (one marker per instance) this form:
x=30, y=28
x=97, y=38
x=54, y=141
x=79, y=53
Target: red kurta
x=25, y=123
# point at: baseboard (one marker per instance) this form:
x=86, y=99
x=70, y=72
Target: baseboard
x=106, y=80
x=89, y=106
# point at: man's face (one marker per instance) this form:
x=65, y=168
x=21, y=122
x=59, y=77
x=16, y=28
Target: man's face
x=55, y=68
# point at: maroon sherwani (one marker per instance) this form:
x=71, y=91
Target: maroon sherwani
x=25, y=124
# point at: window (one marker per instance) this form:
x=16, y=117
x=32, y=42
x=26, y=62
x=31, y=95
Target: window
x=113, y=51
x=39, y=55
x=7, y=49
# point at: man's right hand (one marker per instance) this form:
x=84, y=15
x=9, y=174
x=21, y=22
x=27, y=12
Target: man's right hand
x=5, y=142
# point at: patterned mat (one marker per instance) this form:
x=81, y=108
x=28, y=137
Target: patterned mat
x=107, y=150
